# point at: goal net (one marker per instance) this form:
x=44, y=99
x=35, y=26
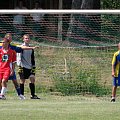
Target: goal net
x=76, y=48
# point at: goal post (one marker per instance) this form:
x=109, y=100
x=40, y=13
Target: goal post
x=59, y=11
x=76, y=47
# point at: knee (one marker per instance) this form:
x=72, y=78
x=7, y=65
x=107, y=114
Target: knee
x=22, y=81
x=32, y=81
x=4, y=82
x=15, y=83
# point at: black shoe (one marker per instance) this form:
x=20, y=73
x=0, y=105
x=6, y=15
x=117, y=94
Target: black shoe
x=2, y=97
x=34, y=97
x=112, y=100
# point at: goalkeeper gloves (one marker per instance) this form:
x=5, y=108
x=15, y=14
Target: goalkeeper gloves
x=33, y=70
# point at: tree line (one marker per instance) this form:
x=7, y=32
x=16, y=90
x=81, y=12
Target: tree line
x=95, y=4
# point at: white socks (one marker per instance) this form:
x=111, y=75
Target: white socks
x=3, y=90
x=113, y=97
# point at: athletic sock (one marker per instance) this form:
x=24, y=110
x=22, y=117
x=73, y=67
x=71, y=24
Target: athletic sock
x=3, y=90
x=32, y=88
x=0, y=89
x=22, y=88
x=113, y=97
x=18, y=90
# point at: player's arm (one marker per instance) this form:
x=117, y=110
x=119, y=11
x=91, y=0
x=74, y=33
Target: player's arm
x=13, y=69
x=33, y=62
x=13, y=62
x=19, y=48
x=114, y=62
x=28, y=48
x=16, y=48
x=113, y=71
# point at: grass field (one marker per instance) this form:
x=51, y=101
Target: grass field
x=51, y=107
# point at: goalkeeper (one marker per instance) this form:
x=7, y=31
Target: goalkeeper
x=26, y=63
x=115, y=72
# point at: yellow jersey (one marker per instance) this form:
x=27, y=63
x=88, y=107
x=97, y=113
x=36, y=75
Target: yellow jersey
x=116, y=63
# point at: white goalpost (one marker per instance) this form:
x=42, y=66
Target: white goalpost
x=65, y=11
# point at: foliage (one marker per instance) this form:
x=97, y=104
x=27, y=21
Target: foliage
x=110, y=4
x=85, y=83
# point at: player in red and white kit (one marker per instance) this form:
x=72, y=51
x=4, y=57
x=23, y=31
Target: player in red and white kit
x=7, y=65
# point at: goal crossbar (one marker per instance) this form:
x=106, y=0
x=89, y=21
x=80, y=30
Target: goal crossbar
x=51, y=11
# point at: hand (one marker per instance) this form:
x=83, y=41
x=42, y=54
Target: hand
x=12, y=71
x=113, y=74
x=36, y=47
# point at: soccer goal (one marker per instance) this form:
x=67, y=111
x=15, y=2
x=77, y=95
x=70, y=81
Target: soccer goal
x=76, y=47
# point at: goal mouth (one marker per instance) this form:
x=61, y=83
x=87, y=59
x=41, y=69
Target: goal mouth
x=66, y=28
x=76, y=47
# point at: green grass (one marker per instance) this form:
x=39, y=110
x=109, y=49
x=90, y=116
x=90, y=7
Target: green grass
x=51, y=107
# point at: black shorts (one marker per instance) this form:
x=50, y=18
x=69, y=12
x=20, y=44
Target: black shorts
x=25, y=73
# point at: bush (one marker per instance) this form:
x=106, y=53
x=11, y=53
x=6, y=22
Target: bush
x=85, y=83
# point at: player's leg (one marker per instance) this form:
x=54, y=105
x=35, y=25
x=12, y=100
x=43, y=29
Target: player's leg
x=32, y=84
x=22, y=80
x=16, y=85
x=5, y=77
x=0, y=85
x=1, y=77
x=4, y=89
x=32, y=87
x=114, y=89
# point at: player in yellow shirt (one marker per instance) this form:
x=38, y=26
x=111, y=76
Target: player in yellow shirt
x=115, y=72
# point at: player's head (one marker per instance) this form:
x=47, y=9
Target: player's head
x=26, y=38
x=37, y=4
x=8, y=36
x=5, y=42
x=119, y=46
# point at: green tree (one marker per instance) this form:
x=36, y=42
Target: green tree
x=110, y=4
x=84, y=21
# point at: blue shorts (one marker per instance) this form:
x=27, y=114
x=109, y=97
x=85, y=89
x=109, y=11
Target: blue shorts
x=13, y=77
x=116, y=81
